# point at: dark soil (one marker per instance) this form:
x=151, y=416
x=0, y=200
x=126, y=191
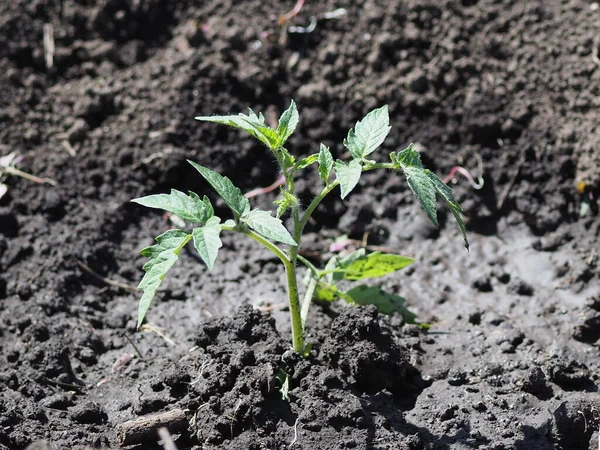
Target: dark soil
x=511, y=360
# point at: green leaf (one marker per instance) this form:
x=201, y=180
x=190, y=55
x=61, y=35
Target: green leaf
x=287, y=123
x=329, y=268
x=420, y=184
x=325, y=163
x=162, y=257
x=375, y=265
x=207, y=242
x=348, y=175
x=445, y=192
x=385, y=302
x=188, y=207
x=355, y=145
x=288, y=160
x=285, y=203
x=305, y=162
x=407, y=157
x=283, y=378
x=232, y=196
x=259, y=119
x=326, y=292
x=425, y=184
x=229, y=223
x=267, y=136
x=369, y=133
x=251, y=123
x=341, y=263
x=268, y=226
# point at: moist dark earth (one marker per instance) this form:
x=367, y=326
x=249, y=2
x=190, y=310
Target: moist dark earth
x=510, y=90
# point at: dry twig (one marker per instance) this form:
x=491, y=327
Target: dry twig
x=105, y=280
x=167, y=439
x=144, y=429
x=49, y=45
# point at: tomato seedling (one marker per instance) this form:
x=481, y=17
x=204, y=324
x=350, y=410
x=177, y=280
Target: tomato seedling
x=268, y=229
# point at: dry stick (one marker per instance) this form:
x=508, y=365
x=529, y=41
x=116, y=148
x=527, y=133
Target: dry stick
x=275, y=307
x=154, y=329
x=295, y=433
x=137, y=350
x=167, y=440
x=49, y=45
x=14, y=171
x=144, y=429
x=105, y=280
x=65, y=385
x=510, y=184
x=69, y=148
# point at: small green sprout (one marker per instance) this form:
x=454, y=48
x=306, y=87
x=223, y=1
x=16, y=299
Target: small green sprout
x=268, y=229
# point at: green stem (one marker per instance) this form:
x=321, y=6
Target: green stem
x=309, y=265
x=373, y=166
x=306, y=302
x=267, y=244
x=292, y=284
x=313, y=205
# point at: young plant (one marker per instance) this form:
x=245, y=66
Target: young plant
x=268, y=230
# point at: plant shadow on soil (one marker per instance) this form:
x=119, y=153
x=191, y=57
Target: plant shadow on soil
x=511, y=361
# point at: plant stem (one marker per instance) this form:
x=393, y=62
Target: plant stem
x=292, y=284
x=295, y=317
x=313, y=205
x=267, y=244
x=309, y=265
x=373, y=166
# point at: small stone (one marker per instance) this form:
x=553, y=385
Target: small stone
x=521, y=287
x=449, y=413
x=483, y=284
x=475, y=318
x=480, y=406
x=493, y=318
x=60, y=400
x=417, y=81
x=87, y=355
x=457, y=378
x=535, y=381
x=88, y=413
x=78, y=131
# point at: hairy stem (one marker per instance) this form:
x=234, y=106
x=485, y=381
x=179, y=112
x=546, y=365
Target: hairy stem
x=373, y=166
x=295, y=317
x=267, y=244
x=292, y=284
x=313, y=205
x=309, y=265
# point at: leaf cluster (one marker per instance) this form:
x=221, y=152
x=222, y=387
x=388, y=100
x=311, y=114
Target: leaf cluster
x=267, y=228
